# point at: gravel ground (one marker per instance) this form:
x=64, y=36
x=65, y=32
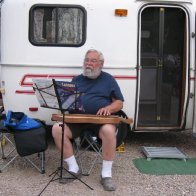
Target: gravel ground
x=21, y=179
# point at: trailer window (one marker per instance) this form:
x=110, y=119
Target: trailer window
x=57, y=26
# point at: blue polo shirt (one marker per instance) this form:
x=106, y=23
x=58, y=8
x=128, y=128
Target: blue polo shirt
x=97, y=93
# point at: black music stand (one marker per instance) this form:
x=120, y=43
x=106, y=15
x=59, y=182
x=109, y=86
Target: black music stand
x=64, y=96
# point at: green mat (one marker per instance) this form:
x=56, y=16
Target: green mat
x=166, y=166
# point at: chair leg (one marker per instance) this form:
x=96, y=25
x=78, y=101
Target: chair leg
x=7, y=164
x=4, y=136
x=41, y=155
x=5, y=156
x=41, y=169
x=97, y=151
x=42, y=162
x=1, y=145
x=78, y=153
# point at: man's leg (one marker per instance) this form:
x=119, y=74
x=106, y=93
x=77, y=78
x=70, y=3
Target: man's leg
x=107, y=134
x=68, y=154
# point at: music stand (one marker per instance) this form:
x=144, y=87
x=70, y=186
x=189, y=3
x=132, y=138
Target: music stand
x=64, y=96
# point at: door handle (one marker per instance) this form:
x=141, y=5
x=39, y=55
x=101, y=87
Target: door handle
x=160, y=63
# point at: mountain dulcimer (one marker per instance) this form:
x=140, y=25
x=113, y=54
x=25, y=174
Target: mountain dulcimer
x=88, y=118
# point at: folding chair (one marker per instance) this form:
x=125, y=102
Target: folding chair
x=9, y=151
x=88, y=141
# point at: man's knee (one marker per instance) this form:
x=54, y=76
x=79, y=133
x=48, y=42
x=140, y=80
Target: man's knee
x=55, y=129
x=107, y=131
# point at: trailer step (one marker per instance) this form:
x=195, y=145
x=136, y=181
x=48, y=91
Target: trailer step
x=163, y=152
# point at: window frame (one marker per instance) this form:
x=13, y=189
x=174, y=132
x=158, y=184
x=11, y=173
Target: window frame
x=31, y=25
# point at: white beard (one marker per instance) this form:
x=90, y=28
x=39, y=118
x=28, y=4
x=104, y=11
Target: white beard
x=91, y=73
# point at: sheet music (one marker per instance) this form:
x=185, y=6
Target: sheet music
x=45, y=93
x=67, y=93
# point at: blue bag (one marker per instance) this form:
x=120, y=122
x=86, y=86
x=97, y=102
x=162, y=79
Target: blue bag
x=20, y=121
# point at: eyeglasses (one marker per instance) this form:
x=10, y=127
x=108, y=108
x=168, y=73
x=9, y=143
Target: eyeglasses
x=91, y=60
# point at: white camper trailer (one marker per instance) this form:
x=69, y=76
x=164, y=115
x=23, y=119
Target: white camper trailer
x=148, y=45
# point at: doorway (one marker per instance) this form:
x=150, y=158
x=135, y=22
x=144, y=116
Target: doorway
x=162, y=73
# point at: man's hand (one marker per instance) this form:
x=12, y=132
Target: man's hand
x=114, y=107
x=104, y=111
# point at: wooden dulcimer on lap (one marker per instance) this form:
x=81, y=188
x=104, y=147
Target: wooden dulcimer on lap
x=88, y=118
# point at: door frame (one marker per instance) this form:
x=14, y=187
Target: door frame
x=187, y=55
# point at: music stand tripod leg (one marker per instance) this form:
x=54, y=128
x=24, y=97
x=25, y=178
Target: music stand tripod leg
x=60, y=178
x=62, y=151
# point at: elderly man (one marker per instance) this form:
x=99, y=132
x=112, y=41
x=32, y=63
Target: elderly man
x=101, y=95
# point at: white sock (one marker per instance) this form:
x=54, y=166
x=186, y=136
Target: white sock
x=106, y=169
x=72, y=164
